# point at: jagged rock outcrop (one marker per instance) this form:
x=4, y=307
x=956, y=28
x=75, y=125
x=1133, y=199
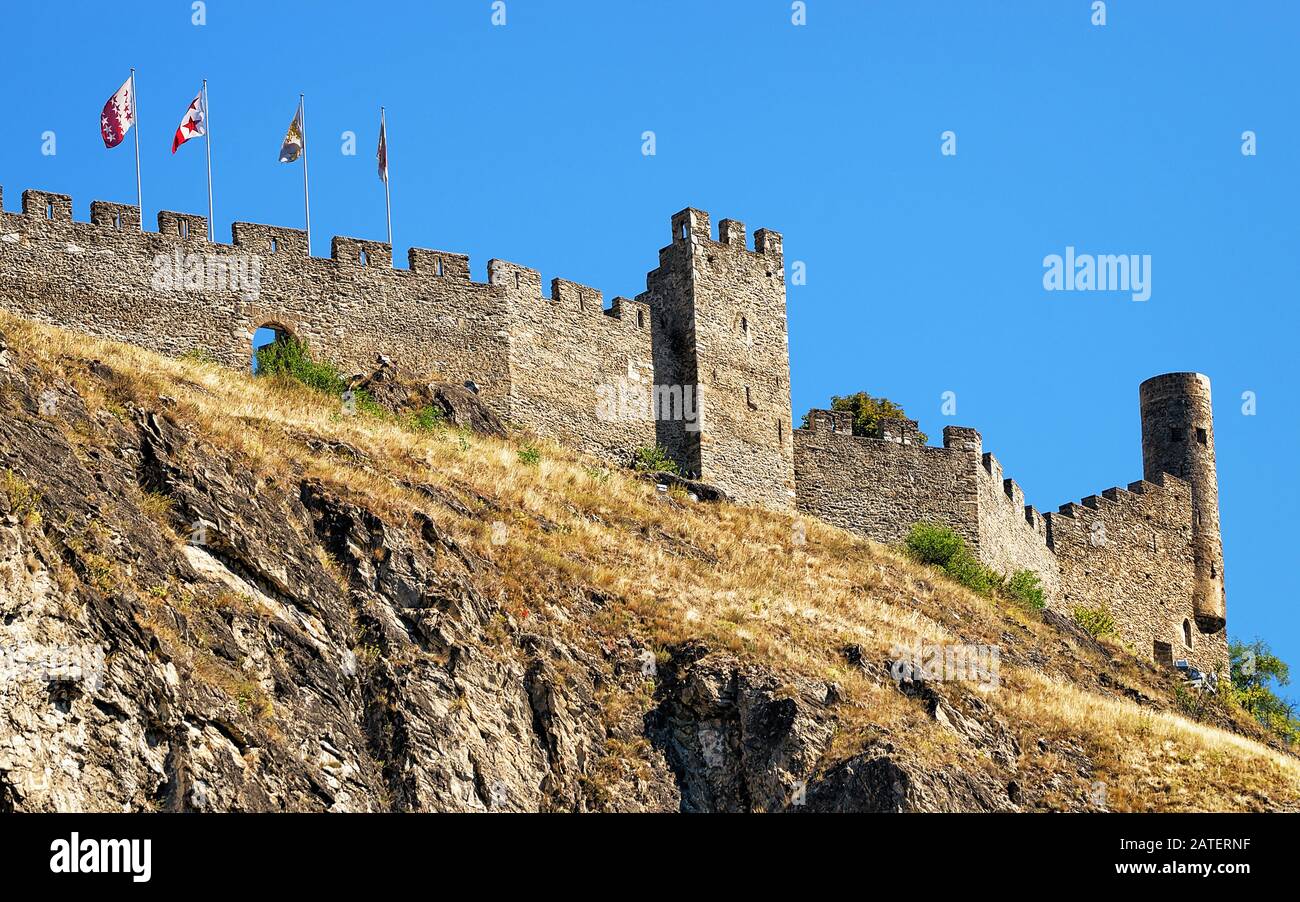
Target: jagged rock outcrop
x=740, y=739
x=459, y=405
x=185, y=628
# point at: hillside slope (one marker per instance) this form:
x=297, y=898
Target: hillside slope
x=219, y=593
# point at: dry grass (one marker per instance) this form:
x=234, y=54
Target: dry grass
x=1155, y=760
x=668, y=570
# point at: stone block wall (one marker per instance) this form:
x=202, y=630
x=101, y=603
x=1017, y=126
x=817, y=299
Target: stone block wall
x=879, y=487
x=580, y=372
x=1013, y=535
x=172, y=291
x=1129, y=551
x=564, y=365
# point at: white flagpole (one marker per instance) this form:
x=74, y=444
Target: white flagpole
x=388, y=197
x=135, y=112
x=306, y=195
x=207, y=140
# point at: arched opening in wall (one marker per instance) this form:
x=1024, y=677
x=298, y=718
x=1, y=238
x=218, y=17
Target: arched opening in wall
x=265, y=336
x=1187, y=633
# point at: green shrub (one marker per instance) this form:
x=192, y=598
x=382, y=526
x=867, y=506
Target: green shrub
x=965, y=569
x=867, y=411
x=932, y=543
x=427, y=419
x=290, y=358
x=1097, y=621
x=530, y=455
x=939, y=546
x=654, y=460
x=1025, y=588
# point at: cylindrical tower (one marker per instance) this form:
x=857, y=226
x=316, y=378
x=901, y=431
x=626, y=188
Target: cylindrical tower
x=1178, y=438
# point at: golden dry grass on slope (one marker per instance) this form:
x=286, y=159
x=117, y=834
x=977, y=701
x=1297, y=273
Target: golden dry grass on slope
x=668, y=570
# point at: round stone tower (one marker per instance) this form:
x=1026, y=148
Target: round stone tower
x=1178, y=438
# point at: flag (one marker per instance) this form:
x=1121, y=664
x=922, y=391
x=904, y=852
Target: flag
x=293, y=140
x=118, y=116
x=194, y=124
x=382, y=155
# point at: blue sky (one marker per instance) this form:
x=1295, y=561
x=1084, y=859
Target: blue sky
x=924, y=271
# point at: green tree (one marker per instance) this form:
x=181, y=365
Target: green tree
x=1254, y=668
x=1254, y=665
x=867, y=411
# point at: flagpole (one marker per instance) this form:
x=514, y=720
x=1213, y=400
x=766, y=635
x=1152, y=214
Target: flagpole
x=388, y=197
x=135, y=111
x=306, y=195
x=207, y=140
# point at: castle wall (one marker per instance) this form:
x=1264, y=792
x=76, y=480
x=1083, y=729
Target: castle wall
x=698, y=363
x=563, y=365
x=1013, y=535
x=1130, y=552
x=879, y=487
x=103, y=278
x=579, y=372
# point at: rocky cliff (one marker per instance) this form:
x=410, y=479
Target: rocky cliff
x=220, y=593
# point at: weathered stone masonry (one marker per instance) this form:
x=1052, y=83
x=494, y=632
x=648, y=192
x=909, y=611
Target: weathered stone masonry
x=715, y=308
x=698, y=362
x=1150, y=554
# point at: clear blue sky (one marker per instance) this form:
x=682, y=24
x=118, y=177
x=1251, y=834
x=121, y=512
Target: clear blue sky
x=924, y=271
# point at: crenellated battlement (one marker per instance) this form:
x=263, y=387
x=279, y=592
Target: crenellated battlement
x=1137, y=495
x=49, y=216
x=712, y=320
x=880, y=486
x=693, y=226
x=546, y=361
x=46, y=214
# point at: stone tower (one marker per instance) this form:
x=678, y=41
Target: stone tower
x=721, y=358
x=1178, y=438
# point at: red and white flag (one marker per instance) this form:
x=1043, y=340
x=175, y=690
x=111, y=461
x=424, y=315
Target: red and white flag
x=193, y=125
x=382, y=155
x=118, y=115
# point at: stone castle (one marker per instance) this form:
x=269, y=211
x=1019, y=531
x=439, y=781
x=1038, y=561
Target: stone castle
x=698, y=363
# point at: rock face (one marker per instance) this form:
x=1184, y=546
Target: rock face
x=740, y=739
x=294, y=650
x=455, y=404
x=296, y=653
x=181, y=629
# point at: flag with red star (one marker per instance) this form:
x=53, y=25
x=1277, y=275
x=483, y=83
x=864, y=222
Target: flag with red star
x=118, y=116
x=193, y=125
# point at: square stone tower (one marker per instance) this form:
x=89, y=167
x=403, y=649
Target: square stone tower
x=721, y=357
